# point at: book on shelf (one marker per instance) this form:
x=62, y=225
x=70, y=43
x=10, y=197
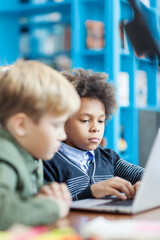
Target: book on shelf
x=123, y=145
x=67, y=38
x=123, y=37
x=123, y=89
x=141, y=88
x=95, y=34
x=45, y=40
x=24, y=42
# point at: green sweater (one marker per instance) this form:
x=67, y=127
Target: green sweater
x=21, y=176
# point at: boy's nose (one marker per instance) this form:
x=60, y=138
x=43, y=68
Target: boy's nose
x=94, y=128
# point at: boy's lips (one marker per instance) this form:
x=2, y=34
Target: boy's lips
x=94, y=140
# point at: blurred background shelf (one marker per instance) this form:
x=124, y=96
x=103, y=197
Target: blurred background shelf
x=90, y=34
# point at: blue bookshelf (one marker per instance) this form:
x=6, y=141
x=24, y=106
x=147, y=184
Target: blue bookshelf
x=20, y=23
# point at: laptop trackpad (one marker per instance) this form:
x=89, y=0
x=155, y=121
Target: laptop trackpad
x=116, y=205
x=118, y=202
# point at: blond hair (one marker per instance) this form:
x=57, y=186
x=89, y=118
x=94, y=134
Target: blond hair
x=35, y=89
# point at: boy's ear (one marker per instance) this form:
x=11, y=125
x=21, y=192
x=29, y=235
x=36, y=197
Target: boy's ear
x=19, y=124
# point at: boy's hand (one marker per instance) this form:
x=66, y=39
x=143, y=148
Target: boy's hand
x=136, y=186
x=114, y=186
x=58, y=193
x=56, y=190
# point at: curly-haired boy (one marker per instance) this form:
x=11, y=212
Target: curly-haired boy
x=87, y=169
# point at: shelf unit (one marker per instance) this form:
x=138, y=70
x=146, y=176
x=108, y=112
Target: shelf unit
x=113, y=59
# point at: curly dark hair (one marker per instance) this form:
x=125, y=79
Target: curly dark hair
x=94, y=85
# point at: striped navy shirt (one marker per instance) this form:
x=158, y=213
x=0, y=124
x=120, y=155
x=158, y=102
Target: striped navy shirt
x=107, y=164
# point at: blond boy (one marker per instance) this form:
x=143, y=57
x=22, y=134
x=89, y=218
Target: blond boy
x=34, y=105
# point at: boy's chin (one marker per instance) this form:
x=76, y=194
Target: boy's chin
x=91, y=147
x=49, y=156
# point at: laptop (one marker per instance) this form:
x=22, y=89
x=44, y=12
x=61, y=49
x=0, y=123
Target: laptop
x=147, y=196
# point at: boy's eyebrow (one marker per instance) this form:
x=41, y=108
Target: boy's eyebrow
x=88, y=114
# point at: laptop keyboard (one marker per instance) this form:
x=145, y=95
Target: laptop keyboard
x=118, y=202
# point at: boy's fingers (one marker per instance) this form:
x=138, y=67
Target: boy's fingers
x=65, y=192
x=117, y=189
x=118, y=194
x=60, y=191
x=130, y=188
x=64, y=188
x=124, y=186
x=125, y=190
x=46, y=190
x=56, y=190
x=136, y=186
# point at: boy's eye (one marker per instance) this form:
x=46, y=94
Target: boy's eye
x=85, y=121
x=101, y=121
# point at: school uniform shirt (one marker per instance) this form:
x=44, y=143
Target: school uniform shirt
x=21, y=176
x=77, y=156
x=106, y=164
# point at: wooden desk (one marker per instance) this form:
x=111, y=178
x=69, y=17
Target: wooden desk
x=77, y=219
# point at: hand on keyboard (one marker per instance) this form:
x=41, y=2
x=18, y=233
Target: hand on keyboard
x=117, y=186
